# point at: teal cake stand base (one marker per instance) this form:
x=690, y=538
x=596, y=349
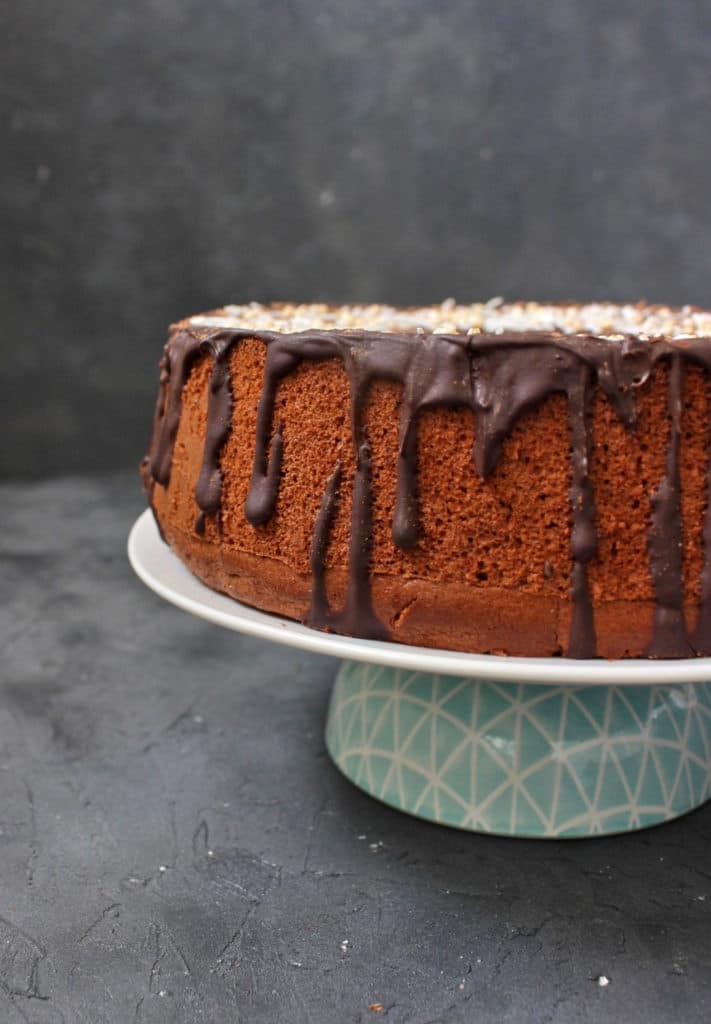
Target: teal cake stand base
x=520, y=759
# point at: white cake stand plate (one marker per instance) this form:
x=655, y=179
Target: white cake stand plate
x=535, y=747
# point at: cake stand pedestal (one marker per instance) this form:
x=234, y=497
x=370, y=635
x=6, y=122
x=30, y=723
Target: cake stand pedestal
x=536, y=747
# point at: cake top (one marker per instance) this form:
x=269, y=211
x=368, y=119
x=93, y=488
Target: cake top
x=603, y=319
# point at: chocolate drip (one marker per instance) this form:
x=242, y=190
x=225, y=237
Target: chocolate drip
x=437, y=374
x=179, y=355
x=507, y=382
x=406, y=528
x=208, y=493
x=146, y=467
x=266, y=472
x=504, y=387
x=284, y=353
x=319, y=614
x=583, y=537
x=499, y=377
x=669, y=639
x=264, y=485
x=701, y=637
x=358, y=617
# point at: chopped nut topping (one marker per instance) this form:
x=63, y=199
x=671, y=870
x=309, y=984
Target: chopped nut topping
x=601, y=319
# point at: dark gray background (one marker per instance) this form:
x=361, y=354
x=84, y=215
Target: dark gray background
x=167, y=156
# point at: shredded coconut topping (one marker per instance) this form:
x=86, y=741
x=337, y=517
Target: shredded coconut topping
x=604, y=319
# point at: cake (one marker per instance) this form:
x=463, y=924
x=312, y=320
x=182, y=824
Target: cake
x=502, y=478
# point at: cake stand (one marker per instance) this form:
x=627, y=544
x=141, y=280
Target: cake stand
x=536, y=747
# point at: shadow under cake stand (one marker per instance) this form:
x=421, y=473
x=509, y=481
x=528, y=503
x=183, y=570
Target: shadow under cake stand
x=537, y=747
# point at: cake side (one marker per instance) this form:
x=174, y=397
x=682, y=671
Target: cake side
x=490, y=567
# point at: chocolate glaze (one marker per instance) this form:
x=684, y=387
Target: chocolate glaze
x=701, y=637
x=669, y=638
x=178, y=358
x=698, y=351
x=583, y=536
x=358, y=617
x=208, y=493
x=432, y=372
x=499, y=377
x=319, y=613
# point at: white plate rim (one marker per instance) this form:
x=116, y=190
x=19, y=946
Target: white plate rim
x=163, y=572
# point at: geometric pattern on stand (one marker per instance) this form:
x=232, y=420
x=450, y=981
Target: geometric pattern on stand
x=522, y=759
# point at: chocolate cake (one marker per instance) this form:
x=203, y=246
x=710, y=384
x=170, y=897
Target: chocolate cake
x=507, y=478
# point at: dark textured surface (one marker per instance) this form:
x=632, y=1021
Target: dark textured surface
x=175, y=845
x=161, y=158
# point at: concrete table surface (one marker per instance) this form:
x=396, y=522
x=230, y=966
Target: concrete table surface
x=175, y=845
